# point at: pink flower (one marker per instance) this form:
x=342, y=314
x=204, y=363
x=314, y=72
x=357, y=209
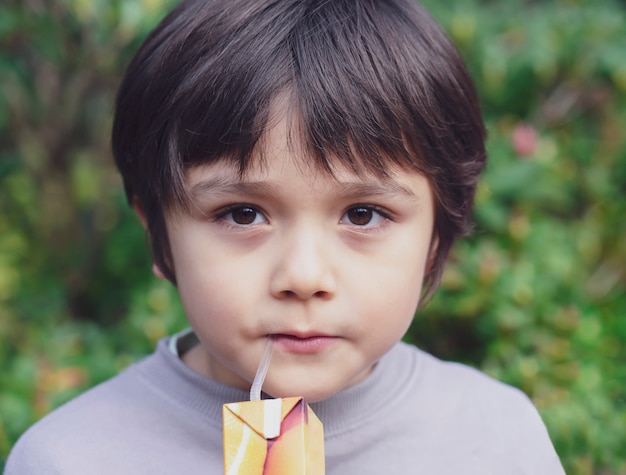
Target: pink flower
x=524, y=140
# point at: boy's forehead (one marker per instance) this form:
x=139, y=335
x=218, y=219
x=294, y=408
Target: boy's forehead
x=283, y=145
x=282, y=151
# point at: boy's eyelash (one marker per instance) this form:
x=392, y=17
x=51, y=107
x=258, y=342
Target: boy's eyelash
x=384, y=212
x=386, y=218
x=222, y=212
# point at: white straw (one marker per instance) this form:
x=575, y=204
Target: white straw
x=261, y=372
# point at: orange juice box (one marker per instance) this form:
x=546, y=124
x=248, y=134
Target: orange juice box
x=272, y=437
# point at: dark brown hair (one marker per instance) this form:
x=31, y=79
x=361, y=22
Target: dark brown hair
x=373, y=84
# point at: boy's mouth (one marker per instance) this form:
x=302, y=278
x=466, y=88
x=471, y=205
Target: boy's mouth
x=305, y=343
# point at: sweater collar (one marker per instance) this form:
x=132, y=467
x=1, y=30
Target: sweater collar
x=344, y=411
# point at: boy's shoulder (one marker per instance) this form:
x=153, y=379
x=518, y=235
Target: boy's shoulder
x=493, y=419
x=116, y=425
x=450, y=417
x=63, y=438
x=452, y=386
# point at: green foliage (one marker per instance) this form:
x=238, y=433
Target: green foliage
x=535, y=297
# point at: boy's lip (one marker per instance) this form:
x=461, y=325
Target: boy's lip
x=303, y=342
x=302, y=335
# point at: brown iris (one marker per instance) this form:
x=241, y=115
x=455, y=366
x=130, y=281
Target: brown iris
x=244, y=215
x=360, y=215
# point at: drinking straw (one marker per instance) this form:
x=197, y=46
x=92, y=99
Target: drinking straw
x=261, y=372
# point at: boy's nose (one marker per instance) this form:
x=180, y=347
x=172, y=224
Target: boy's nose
x=303, y=269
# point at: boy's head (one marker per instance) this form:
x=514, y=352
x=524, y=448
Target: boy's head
x=367, y=85
x=303, y=168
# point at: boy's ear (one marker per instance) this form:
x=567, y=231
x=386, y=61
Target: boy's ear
x=141, y=214
x=432, y=253
x=156, y=270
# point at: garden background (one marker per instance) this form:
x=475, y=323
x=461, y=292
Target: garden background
x=536, y=297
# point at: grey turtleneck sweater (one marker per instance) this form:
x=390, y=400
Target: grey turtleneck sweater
x=413, y=414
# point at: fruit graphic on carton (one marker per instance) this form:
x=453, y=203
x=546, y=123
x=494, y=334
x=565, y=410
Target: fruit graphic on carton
x=272, y=437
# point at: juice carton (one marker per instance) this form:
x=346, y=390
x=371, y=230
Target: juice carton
x=272, y=437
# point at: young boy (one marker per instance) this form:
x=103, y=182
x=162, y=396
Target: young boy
x=302, y=168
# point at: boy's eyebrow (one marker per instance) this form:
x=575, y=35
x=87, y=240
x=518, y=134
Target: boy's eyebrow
x=386, y=187
x=219, y=185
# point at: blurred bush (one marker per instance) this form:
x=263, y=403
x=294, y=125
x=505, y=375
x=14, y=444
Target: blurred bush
x=535, y=297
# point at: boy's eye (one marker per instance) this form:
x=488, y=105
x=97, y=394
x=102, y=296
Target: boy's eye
x=362, y=216
x=243, y=215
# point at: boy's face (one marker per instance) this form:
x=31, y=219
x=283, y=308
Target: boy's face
x=332, y=268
